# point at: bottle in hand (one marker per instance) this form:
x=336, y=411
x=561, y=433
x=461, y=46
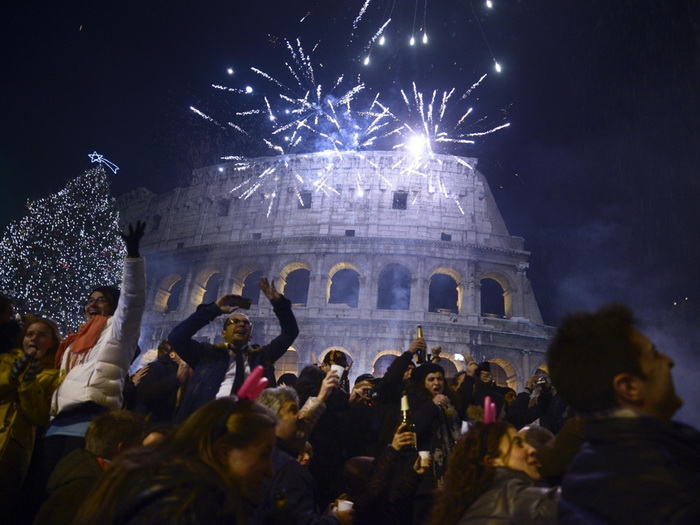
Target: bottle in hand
x=407, y=419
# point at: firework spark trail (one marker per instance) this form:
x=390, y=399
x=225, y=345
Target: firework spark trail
x=204, y=115
x=225, y=88
x=359, y=17
x=306, y=114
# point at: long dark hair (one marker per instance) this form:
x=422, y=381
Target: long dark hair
x=183, y=479
x=468, y=473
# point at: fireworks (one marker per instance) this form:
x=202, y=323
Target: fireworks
x=307, y=111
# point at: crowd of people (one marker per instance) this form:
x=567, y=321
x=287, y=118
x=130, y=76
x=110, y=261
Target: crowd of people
x=187, y=439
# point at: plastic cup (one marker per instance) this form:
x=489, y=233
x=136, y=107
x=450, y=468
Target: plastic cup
x=338, y=370
x=344, y=505
x=424, y=458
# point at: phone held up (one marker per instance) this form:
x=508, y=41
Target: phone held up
x=237, y=300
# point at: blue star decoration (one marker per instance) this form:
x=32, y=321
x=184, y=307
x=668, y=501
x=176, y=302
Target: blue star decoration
x=96, y=157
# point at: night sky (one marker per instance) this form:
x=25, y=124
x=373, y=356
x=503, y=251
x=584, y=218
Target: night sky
x=598, y=170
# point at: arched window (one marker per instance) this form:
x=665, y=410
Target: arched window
x=442, y=294
x=251, y=290
x=297, y=287
x=449, y=368
x=492, y=302
x=345, y=288
x=382, y=364
x=394, y=288
x=499, y=375
x=174, y=298
x=212, y=289
x=288, y=363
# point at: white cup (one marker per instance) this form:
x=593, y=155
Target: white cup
x=344, y=505
x=424, y=458
x=338, y=370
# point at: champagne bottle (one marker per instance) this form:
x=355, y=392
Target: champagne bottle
x=420, y=354
x=407, y=419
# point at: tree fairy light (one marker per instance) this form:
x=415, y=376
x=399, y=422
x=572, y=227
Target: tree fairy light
x=67, y=244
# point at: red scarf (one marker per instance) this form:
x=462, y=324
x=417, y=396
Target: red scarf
x=84, y=339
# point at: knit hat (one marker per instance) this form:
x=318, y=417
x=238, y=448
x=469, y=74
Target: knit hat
x=421, y=372
x=366, y=380
x=484, y=367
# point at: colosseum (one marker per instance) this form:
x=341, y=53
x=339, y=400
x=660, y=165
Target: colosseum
x=366, y=245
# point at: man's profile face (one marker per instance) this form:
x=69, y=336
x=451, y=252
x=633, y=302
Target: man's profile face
x=660, y=398
x=238, y=329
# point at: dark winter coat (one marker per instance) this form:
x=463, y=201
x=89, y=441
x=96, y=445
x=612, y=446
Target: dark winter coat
x=210, y=362
x=69, y=483
x=290, y=496
x=634, y=470
x=156, y=393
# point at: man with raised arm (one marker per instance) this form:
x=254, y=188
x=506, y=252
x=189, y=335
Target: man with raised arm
x=219, y=370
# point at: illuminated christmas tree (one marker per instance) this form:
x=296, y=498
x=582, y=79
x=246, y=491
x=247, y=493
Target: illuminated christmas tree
x=67, y=244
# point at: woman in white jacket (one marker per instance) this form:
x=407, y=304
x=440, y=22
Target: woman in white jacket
x=96, y=359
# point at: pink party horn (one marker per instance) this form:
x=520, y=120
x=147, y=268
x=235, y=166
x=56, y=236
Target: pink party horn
x=489, y=411
x=253, y=385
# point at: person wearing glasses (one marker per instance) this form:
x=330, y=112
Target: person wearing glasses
x=219, y=370
x=95, y=360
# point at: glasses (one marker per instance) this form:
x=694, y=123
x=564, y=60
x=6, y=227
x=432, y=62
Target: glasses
x=98, y=300
x=244, y=322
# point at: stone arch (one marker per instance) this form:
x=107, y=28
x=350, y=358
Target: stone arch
x=288, y=363
x=394, y=287
x=382, y=361
x=200, y=286
x=450, y=367
x=294, y=281
x=165, y=300
x=240, y=276
x=245, y=283
x=509, y=369
x=442, y=297
x=345, y=288
x=490, y=282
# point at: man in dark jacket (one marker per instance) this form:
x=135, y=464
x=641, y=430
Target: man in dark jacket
x=290, y=496
x=636, y=465
x=219, y=370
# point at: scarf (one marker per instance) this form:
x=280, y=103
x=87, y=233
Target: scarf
x=83, y=340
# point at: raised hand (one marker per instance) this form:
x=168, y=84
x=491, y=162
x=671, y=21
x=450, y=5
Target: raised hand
x=132, y=238
x=269, y=289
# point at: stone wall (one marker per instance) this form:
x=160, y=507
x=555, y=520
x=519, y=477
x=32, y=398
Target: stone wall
x=324, y=213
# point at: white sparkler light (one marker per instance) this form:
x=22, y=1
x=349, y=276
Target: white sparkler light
x=382, y=40
x=497, y=66
x=489, y=4
x=366, y=62
x=221, y=170
x=412, y=41
x=417, y=145
x=230, y=71
x=425, y=38
x=248, y=89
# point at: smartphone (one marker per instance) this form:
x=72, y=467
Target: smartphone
x=237, y=300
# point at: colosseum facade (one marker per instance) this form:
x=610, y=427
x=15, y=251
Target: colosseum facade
x=366, y=245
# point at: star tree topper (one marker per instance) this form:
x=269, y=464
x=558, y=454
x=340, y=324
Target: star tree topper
x=96, y=157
